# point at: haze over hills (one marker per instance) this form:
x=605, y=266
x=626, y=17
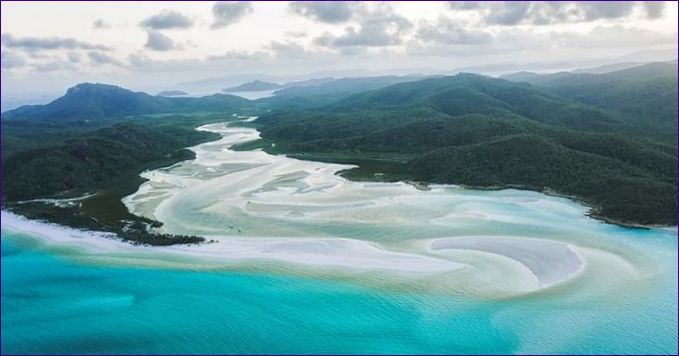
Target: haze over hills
x=256, y=85
x=88, y=101
x=324, y=91
x=607, y=68
x=172, y=93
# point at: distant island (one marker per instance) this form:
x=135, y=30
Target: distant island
x=172, y=93
x=256, y=85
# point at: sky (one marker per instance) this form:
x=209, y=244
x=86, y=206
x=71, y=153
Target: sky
x=50, y=46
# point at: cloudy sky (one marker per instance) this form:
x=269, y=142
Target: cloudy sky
x=48, y=46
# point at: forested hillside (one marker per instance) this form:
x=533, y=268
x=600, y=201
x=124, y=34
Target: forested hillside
x=89, y=101
x=644, y=95
x=608, y=139
x=487, y=132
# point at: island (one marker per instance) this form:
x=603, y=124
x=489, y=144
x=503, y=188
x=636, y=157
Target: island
x=172, y=93
x=256, y=85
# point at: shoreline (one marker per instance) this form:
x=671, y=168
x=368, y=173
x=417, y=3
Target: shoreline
x=346, y=254
x=337, y=257
x=319, y=252
x=591, y=209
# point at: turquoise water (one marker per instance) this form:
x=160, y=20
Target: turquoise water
x=51, y=304
x=308, y=262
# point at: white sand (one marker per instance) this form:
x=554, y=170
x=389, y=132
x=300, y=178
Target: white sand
x=318, y=252
x=550, y=261
x=260, y=207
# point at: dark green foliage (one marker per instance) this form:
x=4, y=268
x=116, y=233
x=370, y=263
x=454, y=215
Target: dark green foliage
x=85, y=161
x=474, y=94
x=645, y=95
x=88, y=102
x=620, y=191
x=106, y=162
x=134, y=230
x=298, y=97
x=487, y=132
x=609, y=140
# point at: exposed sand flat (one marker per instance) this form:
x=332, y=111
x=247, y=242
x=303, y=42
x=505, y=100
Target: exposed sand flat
x=317, y=252
x=323, y=252
x=550, y=261
x=255, y=193
x=93, y=241
x=265, y=209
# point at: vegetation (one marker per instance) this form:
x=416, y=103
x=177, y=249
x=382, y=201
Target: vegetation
x=105, y=162
x=303, y=95
x=645, y=95
x=87, y=102
x=487, y=132
x=608, y=140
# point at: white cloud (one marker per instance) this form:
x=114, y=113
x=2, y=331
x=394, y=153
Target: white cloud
x=228, y=12
x=511, y=13
x=167, y=20
x=448, y=31
x=100, y=24
x=159, y=42
x=12, y=60
x=99, y=58
x=47, y=43
x=326, y=11
x=272, y=37
x=74, y=57
x=377, y=27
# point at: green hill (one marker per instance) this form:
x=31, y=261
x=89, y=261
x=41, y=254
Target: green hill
x=106, y=162
x=89, y=101
x=313, y=96
x=474, y=94
x=620, y=191
x=645, y=95
x=487, y=132
x=606, y=139
x=87, y=107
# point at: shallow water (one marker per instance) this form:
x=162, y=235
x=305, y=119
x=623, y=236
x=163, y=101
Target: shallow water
x=328, y=265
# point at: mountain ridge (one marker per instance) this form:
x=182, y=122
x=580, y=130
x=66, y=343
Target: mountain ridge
x=88, y=101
